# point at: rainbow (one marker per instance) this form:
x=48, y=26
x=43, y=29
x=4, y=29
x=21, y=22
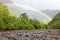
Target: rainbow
x=31, y=8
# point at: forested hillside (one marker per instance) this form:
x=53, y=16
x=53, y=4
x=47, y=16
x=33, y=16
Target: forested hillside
x=55, y=23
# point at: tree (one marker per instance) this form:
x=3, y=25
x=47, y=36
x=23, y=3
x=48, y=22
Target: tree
x=4, y=13
x=6, y=20
x=25, y=22
x=35, y=23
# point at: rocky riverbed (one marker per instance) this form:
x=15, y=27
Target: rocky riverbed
x=30, y=35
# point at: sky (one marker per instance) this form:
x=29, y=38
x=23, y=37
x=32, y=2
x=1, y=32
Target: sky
x=40, y=4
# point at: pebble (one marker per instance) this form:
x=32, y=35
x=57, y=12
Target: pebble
x=31, y=35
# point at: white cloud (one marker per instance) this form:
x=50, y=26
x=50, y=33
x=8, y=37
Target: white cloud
x=40, y=4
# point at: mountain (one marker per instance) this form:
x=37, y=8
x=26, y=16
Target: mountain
x=51, y=13
x=55, y=23
x=16, y=11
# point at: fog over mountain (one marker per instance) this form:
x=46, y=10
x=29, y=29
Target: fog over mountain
x=15, y=10
x=51, y=13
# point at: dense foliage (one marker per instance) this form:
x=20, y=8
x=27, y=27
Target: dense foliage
x=55, y=23
x=10, y=22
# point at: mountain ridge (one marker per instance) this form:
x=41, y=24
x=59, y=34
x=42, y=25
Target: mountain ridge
x=51, y=13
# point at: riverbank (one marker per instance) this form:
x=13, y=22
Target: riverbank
x=30, y=35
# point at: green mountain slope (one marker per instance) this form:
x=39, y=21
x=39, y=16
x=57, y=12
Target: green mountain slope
x=55, y=23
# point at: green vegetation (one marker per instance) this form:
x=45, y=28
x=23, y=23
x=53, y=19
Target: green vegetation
x=9, y=22
x=55, y=23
